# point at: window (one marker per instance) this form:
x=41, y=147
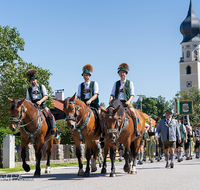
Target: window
x=188, y=70
x=188, y=54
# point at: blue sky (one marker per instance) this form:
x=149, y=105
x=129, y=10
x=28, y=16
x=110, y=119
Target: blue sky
x=64, y=35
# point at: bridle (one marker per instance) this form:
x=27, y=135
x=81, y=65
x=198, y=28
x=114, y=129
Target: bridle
x=77, y=110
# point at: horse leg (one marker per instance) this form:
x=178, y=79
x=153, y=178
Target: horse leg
x=23, y=156
x=127, y=160
x=93, y=160
x=134, y=149
x=49, y=150
x=78, y=155
x=112, y=157
x=38, y=156
x=103, y=170
x=88, y=157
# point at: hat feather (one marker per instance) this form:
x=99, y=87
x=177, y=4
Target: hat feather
x=88, y=67
x=31, y=72
x=124, y=65
x=157, y=119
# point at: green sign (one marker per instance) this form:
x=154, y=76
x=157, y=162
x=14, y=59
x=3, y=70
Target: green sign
x=186, y=107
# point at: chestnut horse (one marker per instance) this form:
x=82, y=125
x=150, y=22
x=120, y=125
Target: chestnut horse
x=83, y=125
x=120, y=129
x=33, y=128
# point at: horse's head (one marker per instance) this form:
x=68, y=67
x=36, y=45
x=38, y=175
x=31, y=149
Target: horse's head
x=17, y=111
x=70, y=109
x=112, y=121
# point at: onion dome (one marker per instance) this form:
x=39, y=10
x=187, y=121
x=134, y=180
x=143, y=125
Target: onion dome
x=190, y=27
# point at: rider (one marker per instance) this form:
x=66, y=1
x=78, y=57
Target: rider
x=88, y=92
x=37, y=93
x=124, y=91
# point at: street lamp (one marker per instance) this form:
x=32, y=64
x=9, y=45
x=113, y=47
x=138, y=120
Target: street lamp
x=140, y=99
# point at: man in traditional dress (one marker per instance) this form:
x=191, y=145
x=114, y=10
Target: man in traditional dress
x=169, y=129
x=88, y=92
x=196, y=136
x=183, y=133
x=37, y=93
x=124, y=91
x=159, y=142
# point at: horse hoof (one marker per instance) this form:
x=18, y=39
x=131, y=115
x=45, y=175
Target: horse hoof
x=80, y=172
x=26, y=167
x=94, y=169
x=36, y=175
x=112, y=175
x=133, y=172
x=127, y=169
x=103, y=171
x=86, y=174
x=47, y=170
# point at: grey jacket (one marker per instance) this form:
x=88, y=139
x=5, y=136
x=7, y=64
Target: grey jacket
x=173, y=130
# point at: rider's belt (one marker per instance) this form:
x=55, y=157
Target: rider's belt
x=35, y=92
x=86, y=91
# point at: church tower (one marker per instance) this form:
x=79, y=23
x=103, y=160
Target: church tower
x=190, y=60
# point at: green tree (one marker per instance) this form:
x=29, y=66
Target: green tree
x=153, y=106
x=193, y=94
x=13, y=80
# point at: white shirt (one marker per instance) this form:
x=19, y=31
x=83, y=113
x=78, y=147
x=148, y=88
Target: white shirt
x=87, y=86
x=36, y=96
x=122, y=85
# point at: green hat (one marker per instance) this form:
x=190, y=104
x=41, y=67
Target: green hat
x=87, y=69
x=31, y=73
x=123, y=67
x=168, y=110
x=178, y=117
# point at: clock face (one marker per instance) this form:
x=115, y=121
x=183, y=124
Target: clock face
x=189, y=83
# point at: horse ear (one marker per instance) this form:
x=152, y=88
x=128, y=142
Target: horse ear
x=11, y=100
x=117, y=109
x=103, y=109
x=73, y=97
x=19, y=103
x=61, y=101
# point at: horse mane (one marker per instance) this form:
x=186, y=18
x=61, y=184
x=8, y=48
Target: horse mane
x=114, y=104
x=14, y=104
x=66, y=102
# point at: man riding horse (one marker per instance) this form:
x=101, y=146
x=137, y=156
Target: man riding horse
x=37, y=93
x=88, y=92
x=124, y=91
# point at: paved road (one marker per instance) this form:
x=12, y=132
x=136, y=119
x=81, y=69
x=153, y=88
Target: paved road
x=150, y=176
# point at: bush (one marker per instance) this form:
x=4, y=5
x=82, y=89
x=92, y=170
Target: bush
x=62, y=129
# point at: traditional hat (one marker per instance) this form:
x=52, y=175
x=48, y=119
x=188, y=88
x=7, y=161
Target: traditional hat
x=178, y=116
x=87, y=69
x=31, y=73
x=195, y=124
x=168, y=110
x=123, y=67
x=157, y=119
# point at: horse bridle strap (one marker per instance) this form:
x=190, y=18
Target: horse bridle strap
x=19, y=119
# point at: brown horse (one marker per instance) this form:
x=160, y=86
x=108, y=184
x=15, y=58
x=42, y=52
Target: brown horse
x=33, y=128
x=120, y=129
x=83, y=125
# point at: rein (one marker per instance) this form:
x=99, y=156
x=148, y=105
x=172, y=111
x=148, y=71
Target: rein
x=74, y=118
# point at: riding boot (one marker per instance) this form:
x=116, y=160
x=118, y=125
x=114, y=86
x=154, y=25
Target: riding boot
x=101, y=123
x=51, y=124
x=137, y=133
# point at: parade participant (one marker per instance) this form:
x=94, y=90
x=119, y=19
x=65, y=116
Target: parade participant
x=188, y=142
x=88, y=92
x=37, y=93
x=179, y=146
x=151, y=143
x=124, y=91
x=169, y=129
x=145, y=142
x=159, y=142
x=196, y=139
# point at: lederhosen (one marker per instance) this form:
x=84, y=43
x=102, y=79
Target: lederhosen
x=182, y=137
x=187, y=145
x=94, y=103
x=167, y=143
x=43, y=105
x=125, y=90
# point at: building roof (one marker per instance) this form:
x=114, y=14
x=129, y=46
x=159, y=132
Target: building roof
x=58, y=105
x=190, y=27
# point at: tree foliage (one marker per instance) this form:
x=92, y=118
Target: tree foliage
x=153, y=106
x=193, y=94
